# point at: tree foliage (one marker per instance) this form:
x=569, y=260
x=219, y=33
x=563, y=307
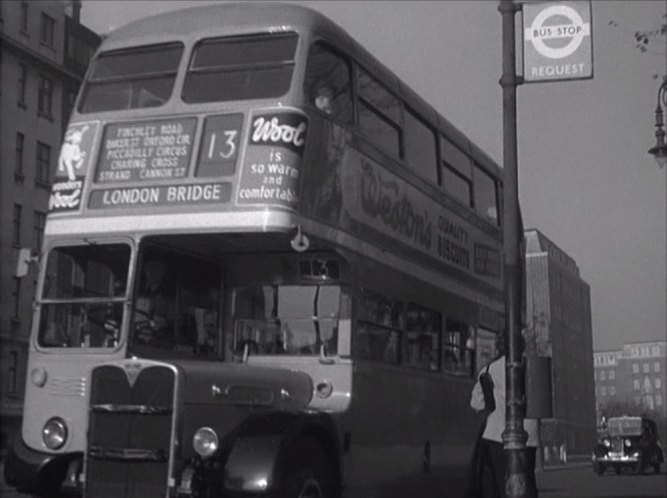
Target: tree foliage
x=650, y=41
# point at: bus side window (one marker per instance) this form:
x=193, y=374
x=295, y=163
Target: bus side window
x=458, y=356
x=327, y=84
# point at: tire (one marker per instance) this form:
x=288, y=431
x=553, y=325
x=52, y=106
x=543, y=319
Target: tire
x=308, y=472
x=656, y=467
x=598, y=468
x=617, y=469
x=641, y=468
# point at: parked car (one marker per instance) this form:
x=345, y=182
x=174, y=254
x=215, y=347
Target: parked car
x=628, y=442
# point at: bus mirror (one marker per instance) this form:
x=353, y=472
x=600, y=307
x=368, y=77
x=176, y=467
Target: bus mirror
x=25, y=258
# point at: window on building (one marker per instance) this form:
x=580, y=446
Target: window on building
x=420, y=148
x=648, y=402
x=612, y=390
x=16, y=298
x=70, y=99
x=635, y=384
x=47, y=29
x=13, y=371
x=656, y=366
x=38, y=229
x=603, y=391
x=21, y=84
x=24, y=17
x=612, y=374
x=20, y=144
x=603, y=375
x=635, y=368
x=646, y=367
x=42, y=175
x=658, y=400
x=45, y=97
x=657, y=383
x=16, y=225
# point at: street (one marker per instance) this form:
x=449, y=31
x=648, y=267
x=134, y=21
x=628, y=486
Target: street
x=582, y=482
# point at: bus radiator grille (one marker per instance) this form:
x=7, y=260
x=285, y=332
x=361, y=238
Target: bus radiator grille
x=129, y=442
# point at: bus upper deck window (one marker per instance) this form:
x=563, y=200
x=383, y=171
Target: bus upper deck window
x=327, y=84
x=240, y=67
x=131, y=78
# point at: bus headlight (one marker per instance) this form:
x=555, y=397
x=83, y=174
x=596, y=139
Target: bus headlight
x=54, y=433
x=205, y=442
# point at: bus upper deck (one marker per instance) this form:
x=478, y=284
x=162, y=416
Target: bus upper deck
x=175, y=119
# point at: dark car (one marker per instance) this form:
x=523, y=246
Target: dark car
x=628, y=442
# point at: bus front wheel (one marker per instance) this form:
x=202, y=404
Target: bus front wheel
x=308, y=473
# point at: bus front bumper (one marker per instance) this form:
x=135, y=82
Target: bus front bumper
x=42, y=474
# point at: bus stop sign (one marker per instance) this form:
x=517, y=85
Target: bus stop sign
x=557, y=42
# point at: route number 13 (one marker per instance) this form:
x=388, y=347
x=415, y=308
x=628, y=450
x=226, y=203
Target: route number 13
x=220, y=144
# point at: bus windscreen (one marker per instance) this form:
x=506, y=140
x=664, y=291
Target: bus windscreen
x=83, y=295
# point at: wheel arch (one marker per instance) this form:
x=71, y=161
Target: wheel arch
x=258, y=455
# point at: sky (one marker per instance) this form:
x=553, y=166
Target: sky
x=585, y=178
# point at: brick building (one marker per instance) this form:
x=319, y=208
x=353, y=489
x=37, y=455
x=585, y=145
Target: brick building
x=44, y=52
x=558, y=315
x=633, y=379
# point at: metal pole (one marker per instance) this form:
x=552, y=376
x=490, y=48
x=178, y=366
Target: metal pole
x=514, y=436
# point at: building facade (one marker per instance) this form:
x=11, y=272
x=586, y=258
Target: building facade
x=559, y=326
x=633, y=381
x=44, y=52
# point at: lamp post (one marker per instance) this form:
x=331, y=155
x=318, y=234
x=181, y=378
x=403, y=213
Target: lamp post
x=660, y=148
x=514, y=436
x=659, y=151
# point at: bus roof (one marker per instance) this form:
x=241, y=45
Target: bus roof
x=195, y=23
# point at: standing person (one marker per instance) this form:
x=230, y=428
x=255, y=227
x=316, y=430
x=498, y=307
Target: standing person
x=491, y=449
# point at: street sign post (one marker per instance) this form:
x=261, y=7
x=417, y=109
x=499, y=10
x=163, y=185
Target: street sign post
x=557, y=41
x=557, y=45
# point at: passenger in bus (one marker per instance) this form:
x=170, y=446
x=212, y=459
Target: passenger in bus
x=491, y=447
x=323, y=99
x=154, y=310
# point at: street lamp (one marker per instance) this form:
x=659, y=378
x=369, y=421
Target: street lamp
x=660, y=149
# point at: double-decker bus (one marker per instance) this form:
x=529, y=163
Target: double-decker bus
x=269, y=268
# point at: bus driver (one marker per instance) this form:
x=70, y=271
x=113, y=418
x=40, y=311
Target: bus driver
x=154, y=320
